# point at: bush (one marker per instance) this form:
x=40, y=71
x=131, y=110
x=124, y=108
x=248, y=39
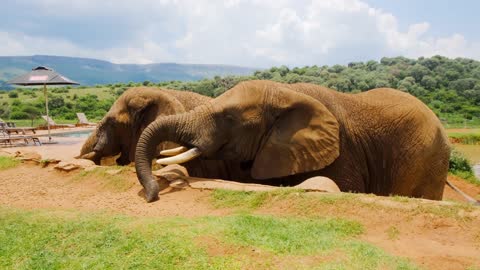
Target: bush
x=458, y=162
x=13, y=94
x=459, y=165
x=18, y=115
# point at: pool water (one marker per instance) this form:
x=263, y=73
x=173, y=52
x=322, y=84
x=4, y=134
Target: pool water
x=74, y=134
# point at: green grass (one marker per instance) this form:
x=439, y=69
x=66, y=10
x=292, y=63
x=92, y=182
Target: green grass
x=309, y=205
x=72, y=240
x=249, y=200
x=466, y=138
x=8, y=162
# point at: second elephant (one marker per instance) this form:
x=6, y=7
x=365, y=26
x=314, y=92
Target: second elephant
x=118, y=132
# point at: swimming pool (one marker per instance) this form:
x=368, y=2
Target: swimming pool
x=74, y=134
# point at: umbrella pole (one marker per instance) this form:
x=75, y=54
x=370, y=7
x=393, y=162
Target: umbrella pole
x=46, y=106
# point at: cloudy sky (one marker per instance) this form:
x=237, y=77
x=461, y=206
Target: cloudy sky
x=255, y=33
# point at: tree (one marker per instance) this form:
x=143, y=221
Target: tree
x=429, y=82
x=31, y=112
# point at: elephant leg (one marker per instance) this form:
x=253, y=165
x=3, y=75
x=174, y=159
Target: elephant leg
x=123, y=160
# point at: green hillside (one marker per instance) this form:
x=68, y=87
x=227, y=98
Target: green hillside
x=450, y=87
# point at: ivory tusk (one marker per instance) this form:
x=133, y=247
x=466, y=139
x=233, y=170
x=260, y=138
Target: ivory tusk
x=181, y=158
x=173, y=151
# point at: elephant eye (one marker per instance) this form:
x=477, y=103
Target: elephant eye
x=229, y=117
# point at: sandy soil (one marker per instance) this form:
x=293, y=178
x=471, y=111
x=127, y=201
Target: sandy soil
x=429, y=240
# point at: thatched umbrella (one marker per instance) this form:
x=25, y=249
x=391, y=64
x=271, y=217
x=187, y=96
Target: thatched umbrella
x=42, y=76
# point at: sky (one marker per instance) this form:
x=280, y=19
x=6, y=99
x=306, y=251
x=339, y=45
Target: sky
x=252, y=33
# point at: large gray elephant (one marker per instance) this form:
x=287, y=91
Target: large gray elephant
x=382, y=141
x=119, y=130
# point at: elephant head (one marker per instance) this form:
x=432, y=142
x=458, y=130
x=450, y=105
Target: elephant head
x=119, y=130
x=271, y=129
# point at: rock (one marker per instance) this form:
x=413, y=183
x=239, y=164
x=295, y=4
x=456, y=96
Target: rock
x=28, y=157
x=319, y=183
x=171, y=172
x=178, y=183
x=45, y=162
x=70, y=165
x=66, y=166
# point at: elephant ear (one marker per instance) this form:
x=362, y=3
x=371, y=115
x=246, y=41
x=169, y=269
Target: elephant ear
x=304, y=137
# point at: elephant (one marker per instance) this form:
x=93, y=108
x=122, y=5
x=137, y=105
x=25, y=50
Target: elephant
x=382, y=141
x=119, y=130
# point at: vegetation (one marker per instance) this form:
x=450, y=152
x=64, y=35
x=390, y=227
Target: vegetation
x=465, y=138
x=450, y=87
x=7, y=162
x=69, y=240
x=460, y=165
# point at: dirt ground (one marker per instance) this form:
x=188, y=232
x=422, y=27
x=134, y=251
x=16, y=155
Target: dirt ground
x=431, y=241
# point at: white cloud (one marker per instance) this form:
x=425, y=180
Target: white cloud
x=242, y=32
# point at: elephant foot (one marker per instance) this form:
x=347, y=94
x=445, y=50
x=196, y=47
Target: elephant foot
x=151, y=192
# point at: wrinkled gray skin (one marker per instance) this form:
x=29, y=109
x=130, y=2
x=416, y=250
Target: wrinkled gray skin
x=382, y=141
x=119, y=130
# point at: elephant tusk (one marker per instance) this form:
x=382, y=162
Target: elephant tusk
x=173, y=151
x=181, y=158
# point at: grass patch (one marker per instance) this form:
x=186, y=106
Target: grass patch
x=249, y=199
x=392, y=233
x=7, y=162
x=290, y=235
x=313, y=205
x=465, y=138
x=70, y=240
x=111, y=178
x=51, y=241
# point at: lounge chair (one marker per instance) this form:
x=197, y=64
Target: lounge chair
x=54, y=125
x=6, y=138
x=83, y=121
x=11, y=128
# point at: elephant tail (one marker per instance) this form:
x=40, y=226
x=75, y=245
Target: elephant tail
x=466, y=196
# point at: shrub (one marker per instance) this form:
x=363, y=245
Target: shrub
x=18, y=115
x=459, y=165
x=13, y=94
x=458, y=162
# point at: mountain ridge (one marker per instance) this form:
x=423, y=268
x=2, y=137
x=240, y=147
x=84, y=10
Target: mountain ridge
x=91, y=71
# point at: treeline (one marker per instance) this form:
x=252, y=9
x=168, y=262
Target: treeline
x=451, y=87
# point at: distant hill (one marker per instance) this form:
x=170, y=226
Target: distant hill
x=94, y=71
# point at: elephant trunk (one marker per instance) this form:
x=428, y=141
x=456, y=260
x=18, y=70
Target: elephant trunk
x=173, y=128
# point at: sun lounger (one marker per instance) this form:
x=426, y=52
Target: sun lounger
x=54, y=125
x=83, y=121
x=12, y=128
x=6, y=138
